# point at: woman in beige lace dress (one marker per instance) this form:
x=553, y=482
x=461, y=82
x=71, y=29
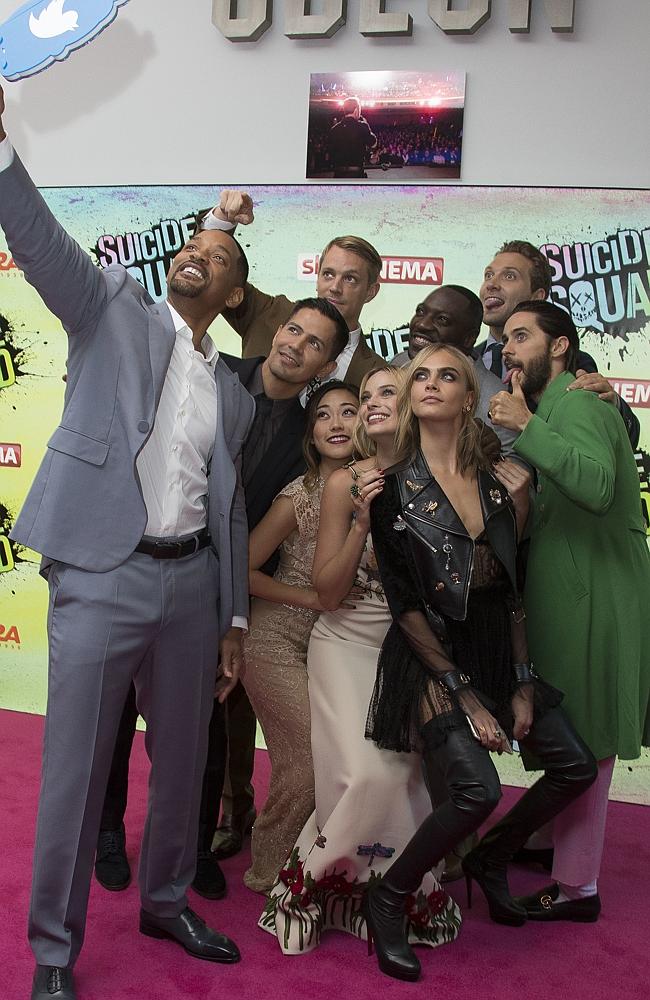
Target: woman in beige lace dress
x=283, y=611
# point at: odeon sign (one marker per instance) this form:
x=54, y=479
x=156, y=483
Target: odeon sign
x=375, y=20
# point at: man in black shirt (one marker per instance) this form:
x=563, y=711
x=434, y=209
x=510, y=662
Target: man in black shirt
x=349, y=139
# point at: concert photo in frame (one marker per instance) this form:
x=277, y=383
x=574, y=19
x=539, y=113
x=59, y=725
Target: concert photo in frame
x=385, y=126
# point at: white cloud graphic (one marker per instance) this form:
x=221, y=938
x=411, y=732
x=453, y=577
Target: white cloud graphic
x=53, y=21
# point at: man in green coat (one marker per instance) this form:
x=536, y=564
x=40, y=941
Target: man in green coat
x=588, y=579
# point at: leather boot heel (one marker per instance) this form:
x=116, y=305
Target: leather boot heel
x=468, y=887
x=385, y=911
x=491, y=877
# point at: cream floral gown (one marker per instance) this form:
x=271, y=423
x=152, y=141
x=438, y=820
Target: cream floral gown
x=369, y=801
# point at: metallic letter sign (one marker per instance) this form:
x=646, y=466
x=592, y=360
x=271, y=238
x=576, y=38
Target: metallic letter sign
x=373, y=20
x=299, y=23
x=242, y=29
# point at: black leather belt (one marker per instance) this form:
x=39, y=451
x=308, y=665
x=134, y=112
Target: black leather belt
x=163, y=549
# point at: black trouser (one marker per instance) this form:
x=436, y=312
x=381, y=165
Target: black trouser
x=213, y=778
x=464, y=769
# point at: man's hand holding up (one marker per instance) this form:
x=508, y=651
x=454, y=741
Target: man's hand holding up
x=235, y=207
x=510, y=409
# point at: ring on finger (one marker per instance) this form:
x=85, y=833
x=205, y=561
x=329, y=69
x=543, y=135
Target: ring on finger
x=354, y=491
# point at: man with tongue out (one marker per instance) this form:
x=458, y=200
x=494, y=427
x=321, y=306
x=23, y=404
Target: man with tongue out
x=520, y=272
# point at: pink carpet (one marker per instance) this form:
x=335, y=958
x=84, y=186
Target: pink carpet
x=603, y=961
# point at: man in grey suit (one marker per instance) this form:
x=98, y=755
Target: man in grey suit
x=138, y=511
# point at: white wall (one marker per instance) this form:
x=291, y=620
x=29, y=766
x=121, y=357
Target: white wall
x=162, y=97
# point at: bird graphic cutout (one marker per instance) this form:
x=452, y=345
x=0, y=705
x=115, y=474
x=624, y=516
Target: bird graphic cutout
x=42, y=32
x=53, y=21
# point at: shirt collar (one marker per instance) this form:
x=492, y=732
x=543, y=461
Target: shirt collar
x=181, y=327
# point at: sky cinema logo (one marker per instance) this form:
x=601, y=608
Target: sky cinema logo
x=394, y=270
x=9, y=635
x=10, y=456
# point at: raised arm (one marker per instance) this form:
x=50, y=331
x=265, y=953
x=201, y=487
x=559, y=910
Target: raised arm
x=63, y=274
x=257, y=310
x=341, y=538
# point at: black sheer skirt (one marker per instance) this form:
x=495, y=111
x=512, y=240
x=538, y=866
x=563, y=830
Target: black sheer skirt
x=407, y=695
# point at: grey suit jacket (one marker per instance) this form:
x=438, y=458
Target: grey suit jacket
x=85, y=506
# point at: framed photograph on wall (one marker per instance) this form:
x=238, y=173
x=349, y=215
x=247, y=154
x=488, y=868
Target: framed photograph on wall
x=385, y=126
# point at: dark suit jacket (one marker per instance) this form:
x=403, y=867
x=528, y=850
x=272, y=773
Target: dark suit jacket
x=257, y=320
x=587, y=363
x=284, y=461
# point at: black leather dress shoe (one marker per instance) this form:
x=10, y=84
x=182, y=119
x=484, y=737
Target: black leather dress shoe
x=53, y=983
x=541, y=906
x=229, y=838
x=528, y=856
x=209, y=881
x=192, y=933
x=112, y=868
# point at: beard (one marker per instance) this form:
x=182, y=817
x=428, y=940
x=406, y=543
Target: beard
x=188, y=289
x=537, y=375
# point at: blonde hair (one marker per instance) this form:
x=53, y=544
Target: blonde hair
x=364, y=446
x=407, y=439
x=357, y=245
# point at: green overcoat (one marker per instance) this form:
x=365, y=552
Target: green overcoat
x=587, y=592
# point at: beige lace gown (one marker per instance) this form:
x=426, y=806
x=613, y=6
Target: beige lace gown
x=369, y=802
x=275, y=679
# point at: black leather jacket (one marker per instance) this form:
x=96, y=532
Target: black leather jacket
x=440, y=547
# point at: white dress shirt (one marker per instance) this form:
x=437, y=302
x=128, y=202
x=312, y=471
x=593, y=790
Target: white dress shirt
x=173, y=463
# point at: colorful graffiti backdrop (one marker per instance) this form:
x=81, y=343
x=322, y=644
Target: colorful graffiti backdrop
x=598, y=242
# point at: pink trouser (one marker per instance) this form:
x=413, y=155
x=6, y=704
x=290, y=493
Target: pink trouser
x=578, y=832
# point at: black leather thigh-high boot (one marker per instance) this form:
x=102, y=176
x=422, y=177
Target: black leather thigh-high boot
x=569, y=769
x=463, y=767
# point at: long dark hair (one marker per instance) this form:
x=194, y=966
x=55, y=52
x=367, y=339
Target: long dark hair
x=555, y=322
x=311, y=455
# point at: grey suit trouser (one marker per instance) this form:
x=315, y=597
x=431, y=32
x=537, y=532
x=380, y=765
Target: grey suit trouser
x=155, y=622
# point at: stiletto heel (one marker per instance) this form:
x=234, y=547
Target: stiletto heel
x=491, y=877
x=468, y=887
x=370, y=947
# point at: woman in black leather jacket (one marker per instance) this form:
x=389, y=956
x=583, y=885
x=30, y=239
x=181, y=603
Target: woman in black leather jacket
x=453, y=677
